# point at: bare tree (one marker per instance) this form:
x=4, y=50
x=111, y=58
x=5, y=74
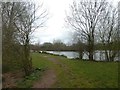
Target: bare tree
x=108, y=32
x=24, y=19
x=26, y=24
x=9, y=45
x=84, y=18
x=79, y=44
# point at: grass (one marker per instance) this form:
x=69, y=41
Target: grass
x=86, y=74
x=75, y=73
x=38, y=62
x=28, y=81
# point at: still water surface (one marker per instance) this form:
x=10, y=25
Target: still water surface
x=98, y=55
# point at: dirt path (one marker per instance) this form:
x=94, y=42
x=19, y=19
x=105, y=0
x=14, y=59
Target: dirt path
x=10, y=79
x=48, y=79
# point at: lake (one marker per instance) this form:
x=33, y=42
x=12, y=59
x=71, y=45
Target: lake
x=98, y=55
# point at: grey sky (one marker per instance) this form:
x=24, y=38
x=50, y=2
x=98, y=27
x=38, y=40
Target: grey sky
x=55, y=25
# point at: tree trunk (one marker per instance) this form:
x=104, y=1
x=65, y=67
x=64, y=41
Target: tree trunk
x=113, y=55
x=91, y=47
x=80, y=54
x=27, y=59
x=91, y=56
x=106, y=55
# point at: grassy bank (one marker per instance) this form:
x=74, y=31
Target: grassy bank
x=89, y=74
x=81, y=74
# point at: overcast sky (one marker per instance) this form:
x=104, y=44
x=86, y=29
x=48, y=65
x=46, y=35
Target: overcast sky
x=55, y=25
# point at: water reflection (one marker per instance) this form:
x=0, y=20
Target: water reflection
x=98, y=55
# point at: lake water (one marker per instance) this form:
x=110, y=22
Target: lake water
x=98, y=55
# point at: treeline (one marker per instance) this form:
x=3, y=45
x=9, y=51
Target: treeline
x=57, y=45
x=78, y=46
